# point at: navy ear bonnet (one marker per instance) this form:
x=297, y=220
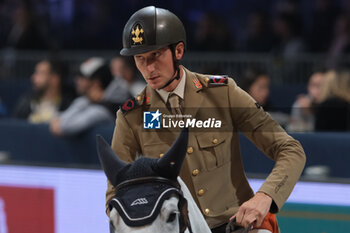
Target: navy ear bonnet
x=142, y=167
x=139, y=205
x=139, y=200
x=144, y=185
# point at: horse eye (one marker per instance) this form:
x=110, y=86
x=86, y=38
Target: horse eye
x=172, y=217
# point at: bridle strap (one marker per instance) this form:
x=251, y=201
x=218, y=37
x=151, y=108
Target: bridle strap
x=150, y=179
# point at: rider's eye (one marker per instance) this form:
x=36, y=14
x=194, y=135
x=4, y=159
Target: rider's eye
x=172, y=217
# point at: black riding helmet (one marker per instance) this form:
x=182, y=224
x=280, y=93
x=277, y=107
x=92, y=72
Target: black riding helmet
x=151, y=28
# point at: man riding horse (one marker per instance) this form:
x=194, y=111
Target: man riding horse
x=212, y=168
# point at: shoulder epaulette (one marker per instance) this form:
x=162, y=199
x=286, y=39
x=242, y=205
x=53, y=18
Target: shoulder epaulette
x=129, y=105
x=213, y=81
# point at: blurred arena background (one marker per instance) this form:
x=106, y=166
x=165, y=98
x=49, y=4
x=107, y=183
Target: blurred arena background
x=51, y=183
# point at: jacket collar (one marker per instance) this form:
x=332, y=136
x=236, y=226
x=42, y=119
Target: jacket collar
x=193, y=96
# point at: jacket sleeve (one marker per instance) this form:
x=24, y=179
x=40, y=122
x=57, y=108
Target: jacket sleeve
x=272, y=140
x=125, y=145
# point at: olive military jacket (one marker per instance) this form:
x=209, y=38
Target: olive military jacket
x=213, y=169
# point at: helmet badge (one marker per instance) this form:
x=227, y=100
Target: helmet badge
x=137, y=33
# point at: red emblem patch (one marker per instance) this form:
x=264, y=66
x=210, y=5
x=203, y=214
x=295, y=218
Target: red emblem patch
x=218, y=80
x=129, y=105
x=197, y=83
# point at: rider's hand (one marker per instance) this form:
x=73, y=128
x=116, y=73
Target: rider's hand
x=254, y=210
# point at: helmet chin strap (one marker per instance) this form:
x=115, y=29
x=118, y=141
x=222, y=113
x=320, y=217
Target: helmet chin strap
x=176, y=68
x=176, y=76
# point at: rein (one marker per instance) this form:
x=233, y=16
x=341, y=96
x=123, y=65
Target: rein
x=231, y=227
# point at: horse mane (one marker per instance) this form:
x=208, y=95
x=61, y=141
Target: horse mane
x=198, y=223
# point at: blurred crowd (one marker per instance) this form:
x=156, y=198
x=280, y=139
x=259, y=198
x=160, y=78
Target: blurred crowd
x=101, y=86
x=324, y=107
x=281, y=27
x=70, y=108
x=285, y=27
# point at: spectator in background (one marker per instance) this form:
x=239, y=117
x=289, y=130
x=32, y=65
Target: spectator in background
x=323, y=20
x=259, y=35
x=289, y=43
x=126, y=82
x=82, y=85
x=333, y=113
x=256, y=83
x=340, y=44
x=86, y=69
x=287, y=29
x=82, y=78
x=96, y=110
x=25, y=33
x=302, y=115
x=213, y=34
x=49, y=95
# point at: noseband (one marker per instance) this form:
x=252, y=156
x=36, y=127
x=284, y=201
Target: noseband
x=139, y=210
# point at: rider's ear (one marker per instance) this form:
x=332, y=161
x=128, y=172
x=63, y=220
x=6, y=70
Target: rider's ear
x=179, y=50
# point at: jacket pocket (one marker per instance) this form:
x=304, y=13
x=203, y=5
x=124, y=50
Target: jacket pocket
x=213, y=149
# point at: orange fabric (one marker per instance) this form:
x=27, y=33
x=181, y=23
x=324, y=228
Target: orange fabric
x=269, y=223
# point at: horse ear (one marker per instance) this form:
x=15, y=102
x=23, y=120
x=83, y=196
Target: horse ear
x=170, y=164
x=110, y=162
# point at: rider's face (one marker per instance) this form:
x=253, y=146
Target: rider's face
x=156, y=66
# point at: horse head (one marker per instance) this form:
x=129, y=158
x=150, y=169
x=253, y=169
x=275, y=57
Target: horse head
x=148, y=197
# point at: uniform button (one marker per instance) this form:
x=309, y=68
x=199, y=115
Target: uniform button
x=200, y=192
x=207, y=211
x=195, y=172
x=190, y=150
x=215, y=141
x=161, y=155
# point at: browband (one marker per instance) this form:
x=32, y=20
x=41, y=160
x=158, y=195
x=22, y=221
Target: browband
x=143, y=180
